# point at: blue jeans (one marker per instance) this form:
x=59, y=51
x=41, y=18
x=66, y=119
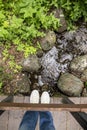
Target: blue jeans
x=30, y=119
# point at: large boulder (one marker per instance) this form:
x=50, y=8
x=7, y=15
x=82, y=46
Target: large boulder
x=84, y=76
x=21, y=84
x=31, y=64
x=79, y=63
x=84, y=94
x=48, y=41
x=70, y=84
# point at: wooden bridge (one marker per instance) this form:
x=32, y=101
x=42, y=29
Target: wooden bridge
x=63, y=114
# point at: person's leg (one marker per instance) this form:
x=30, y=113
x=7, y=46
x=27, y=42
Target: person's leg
x=46, y=121
x=29, y=121
x=30, y=118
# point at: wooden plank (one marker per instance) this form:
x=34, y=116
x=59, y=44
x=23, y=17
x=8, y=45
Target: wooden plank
x=83, y=100
x=3, y=118
x=59, y=117
x=44, y=107
x=62, y=120
x=15, y=116
x=72, y=124
x=7, y=99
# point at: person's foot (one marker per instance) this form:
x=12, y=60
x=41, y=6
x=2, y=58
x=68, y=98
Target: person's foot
x=34, y=97
x=45, y=98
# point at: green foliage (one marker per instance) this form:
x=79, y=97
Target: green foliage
x=4, y=78
x=74, y=9
x=86, y=84
x=26, y=19
x=22, y=21
x=1, y=78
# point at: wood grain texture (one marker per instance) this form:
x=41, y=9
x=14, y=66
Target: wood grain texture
x=44, y=107
x=59, y=116
x=4, y=118
x=63, y=120
x=15, y=116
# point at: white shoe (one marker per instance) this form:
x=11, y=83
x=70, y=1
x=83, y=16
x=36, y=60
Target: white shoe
x=34, y=97
x=45, y=97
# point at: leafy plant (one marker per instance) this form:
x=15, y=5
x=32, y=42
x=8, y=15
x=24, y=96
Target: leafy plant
x=86, y=84
x=23, y=21
x=4, y=78
x=74, y=10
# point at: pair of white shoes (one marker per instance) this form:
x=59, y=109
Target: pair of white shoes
x=35, y=97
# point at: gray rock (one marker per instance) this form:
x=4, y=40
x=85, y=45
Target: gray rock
x=31, y=64
x=21, y=84
x=79, y=63
x=70, y=35
x=40, y=53
x=48, y=41
x=84, y=76
x=65, y=57
x=70, y=84
x=84, y=94
x=73, y=41
x=58, y=13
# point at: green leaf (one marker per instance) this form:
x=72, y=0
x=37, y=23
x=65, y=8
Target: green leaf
x=2, y=16
x=4, y=33
x=16, y=22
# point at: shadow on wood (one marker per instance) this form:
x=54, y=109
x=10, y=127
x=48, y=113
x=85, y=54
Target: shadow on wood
x=81, y=117
x=8, y=99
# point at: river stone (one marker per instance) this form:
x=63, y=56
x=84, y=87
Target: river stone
x=84, y=93
x=48, y=41
x=58, y=13
x=21, y=84
x=31, y=64
x=79, y=63
x=70, y=84
x=84, y=76
x=73, y=41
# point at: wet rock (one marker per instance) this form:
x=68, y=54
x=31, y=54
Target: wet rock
x=40, y=53
x=79, y=63
x=21, y=84
x=35, y=86
x=84, y=94
x=31, y=64
x=74, y=41
x=70, y=84
x=81, y=40
x=66, y=57
x=84, y=76
x=58, y=13
x=70, y=35
x=48, y=41
x=45, y=87
x=50, y=66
